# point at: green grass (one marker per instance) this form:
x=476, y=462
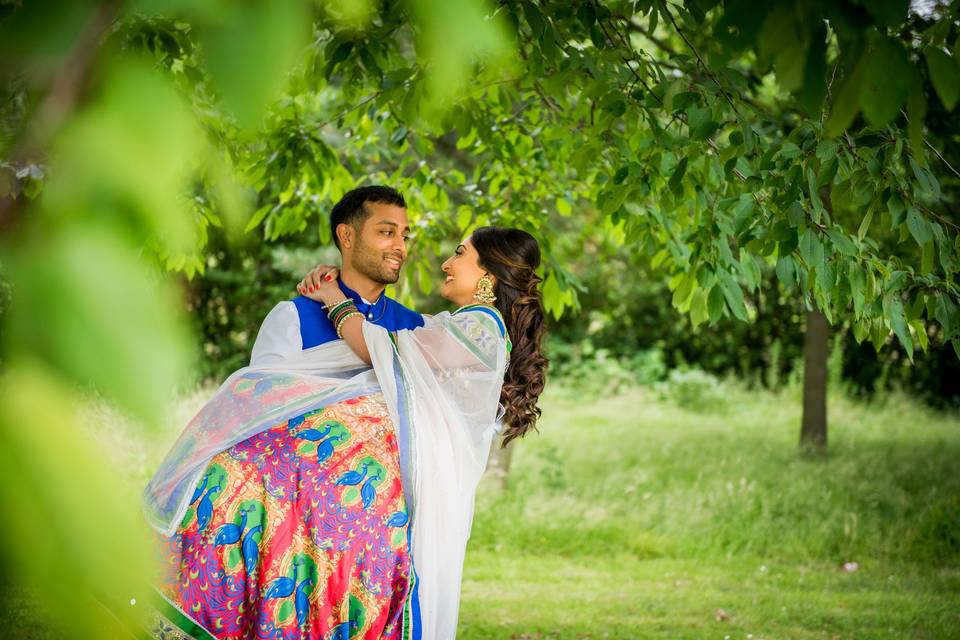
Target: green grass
x=632, y=518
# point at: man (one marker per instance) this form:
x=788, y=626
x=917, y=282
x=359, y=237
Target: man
x=370, y=228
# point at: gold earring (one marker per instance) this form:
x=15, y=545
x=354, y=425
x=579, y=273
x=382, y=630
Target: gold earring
x=484, y=292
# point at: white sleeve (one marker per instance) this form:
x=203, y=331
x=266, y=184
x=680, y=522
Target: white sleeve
x=279, y=337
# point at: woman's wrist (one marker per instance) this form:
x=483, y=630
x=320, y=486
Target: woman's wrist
x=333, y=300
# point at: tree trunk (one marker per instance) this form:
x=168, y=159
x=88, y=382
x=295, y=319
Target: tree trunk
x=813, y=430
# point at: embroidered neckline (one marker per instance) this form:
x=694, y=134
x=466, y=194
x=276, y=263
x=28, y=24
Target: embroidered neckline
x=469, y=307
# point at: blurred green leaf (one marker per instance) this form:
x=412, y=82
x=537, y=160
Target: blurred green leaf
x=78, y=529
x=888, y=75
x=919, y=226
x=250, y=46
x=87, y=306
x=451, y=39
x=128, y=158
x=733, y=294
x=945, y=76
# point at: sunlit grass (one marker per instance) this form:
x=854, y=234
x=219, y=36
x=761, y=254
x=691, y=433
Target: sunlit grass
x=630, y=517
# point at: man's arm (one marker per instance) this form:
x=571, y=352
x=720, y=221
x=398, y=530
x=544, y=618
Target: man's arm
x=279, y=337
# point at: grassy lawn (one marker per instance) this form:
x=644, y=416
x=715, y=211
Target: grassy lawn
x=617, y=596
x=630, y=517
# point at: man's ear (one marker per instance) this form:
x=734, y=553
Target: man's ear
x=345, y=234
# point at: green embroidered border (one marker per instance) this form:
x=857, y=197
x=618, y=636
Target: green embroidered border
x=407, y=631
x=485, y=307
x=173, y=624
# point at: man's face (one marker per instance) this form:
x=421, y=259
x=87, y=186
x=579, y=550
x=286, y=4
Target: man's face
x=380, y=248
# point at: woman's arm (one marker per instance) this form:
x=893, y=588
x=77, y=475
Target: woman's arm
x=352, y=333
x=471, y=346
x=324, y=289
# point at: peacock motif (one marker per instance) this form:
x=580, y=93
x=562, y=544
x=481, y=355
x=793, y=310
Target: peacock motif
x=369, y=474
x=247, y=529
x=287, y=539
x=328, y=436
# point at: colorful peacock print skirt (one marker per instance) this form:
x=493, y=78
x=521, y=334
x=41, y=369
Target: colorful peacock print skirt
x=297, y=532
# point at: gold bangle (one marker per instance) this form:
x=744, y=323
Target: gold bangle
x=344, y=319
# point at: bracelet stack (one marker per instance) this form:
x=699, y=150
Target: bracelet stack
x=340, y=312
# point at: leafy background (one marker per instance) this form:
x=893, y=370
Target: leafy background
x=703, y=177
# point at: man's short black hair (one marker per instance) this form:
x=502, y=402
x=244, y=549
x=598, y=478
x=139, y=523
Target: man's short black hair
x=350, y=209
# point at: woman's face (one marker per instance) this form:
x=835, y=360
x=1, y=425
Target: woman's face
x=463, y=271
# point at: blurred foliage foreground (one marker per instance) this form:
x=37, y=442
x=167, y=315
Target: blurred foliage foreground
x=813, y=143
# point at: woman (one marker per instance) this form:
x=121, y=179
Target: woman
x=293, y=504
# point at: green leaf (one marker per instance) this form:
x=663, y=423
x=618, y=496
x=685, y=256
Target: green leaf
x=896, y=208
x=920, y=329
x=928, y=255
x=733, y=294
x=811, y=249
x=927, y=182
x=827, y=149
x=944, y=75
x=698, y=307
x=534, y=19
x=826, y=278
x=813, y=89
x=947, y=315
x=341, y=51
x=749, y=269
x=889, y=13
x=258, y=217
x=846, y=103
x=451, y=37
x=748, y=137
x=865, y=224
x=704, y=130
x=786, y=272
x=898, y=321
x=676, y=178
x=795, y=214
x=919, y=226
x=563, y=207
x=715, y=303
x=554, y=299
x=814, y=195
x=96, y=275
x=250, y=49
x=887, y=77
x=858, y=287
x=842, y=243
x=916, y=112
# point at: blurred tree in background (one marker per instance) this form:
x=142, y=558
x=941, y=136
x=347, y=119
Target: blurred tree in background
x=770, y=164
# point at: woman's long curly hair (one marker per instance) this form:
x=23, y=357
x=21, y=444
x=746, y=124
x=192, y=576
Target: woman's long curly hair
x=512, y=256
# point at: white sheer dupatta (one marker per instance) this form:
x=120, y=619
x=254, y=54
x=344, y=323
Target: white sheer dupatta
x=251, y=400
x=442, y=385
